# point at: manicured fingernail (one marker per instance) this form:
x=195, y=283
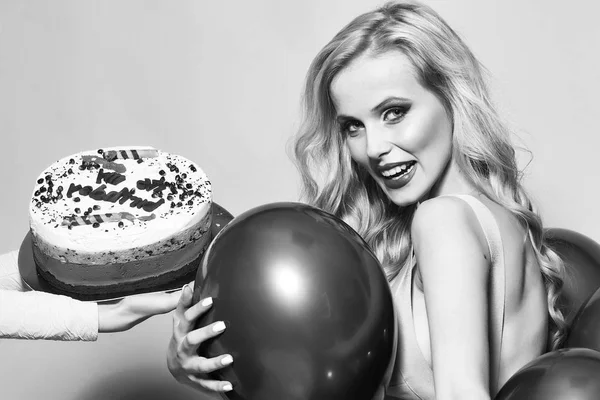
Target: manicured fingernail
x=219, y=326
x=226, y=360
x=207, y=302
x=227, y=387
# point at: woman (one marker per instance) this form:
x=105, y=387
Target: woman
x=400, y=139
x=25, y=314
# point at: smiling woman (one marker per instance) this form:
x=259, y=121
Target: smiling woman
x=401, y=140
x=409, y=124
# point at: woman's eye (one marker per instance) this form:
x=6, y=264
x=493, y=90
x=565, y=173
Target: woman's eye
x=394, y=113
x=351, y=127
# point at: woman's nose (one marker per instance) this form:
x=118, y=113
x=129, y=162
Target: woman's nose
x=378, y=143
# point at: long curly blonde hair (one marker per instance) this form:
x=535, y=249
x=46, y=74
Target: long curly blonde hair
x=481, y=140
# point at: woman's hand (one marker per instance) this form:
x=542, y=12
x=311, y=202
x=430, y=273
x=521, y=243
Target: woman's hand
x=182, y=359
x=124, y=314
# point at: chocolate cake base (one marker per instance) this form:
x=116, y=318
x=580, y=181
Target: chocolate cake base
x=163, y=282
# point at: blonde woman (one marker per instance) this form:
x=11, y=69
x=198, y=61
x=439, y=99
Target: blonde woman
x=400, y=139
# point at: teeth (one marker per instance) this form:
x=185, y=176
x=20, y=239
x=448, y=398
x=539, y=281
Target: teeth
x=395, y=170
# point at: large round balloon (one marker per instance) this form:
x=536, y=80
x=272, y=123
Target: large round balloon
x=308, y=310
x=585, y=330
x=572, y=374
x=582, y=261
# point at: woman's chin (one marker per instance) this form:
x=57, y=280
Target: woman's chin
x=402, y=197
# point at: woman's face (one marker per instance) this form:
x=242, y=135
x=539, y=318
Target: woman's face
x=394, y=127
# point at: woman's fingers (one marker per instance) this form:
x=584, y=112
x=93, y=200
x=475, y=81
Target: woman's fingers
x=192, y=313
x=186, y=314
x=182, y=358
x=200, y=365
x=215, y=386
x=185, y=323
x=193, y=340
x=185, y=300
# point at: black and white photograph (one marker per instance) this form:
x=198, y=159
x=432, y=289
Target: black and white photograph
x=310, y=200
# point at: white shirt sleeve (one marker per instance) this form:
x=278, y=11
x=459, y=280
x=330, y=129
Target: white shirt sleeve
x=10, y=279
x=26, y=314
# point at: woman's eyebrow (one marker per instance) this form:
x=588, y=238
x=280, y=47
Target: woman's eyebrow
x=387, y=102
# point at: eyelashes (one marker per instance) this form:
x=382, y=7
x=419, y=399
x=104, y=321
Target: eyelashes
x=351, y=127
x=395, y=113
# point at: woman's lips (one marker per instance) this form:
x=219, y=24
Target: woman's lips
x=399, y=175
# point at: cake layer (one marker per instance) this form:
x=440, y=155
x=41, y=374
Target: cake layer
x=92, y=260
x=119, y=205
x=118, y=289
x=121, y=278
x=83, y=275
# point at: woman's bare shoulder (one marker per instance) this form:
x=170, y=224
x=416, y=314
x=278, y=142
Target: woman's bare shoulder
x=448, y=223
x=446, y=214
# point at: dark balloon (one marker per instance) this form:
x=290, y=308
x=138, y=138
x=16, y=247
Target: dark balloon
x=567, y=374
x=308, y=310
x=585, y=331
x=582, y=260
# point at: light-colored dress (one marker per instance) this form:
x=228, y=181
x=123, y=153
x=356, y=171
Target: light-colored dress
x=26, y=314
x=412, y=378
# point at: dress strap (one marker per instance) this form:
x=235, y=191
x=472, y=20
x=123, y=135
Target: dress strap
x=412, y=378
x=493, y=237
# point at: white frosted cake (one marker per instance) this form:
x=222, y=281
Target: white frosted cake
x=118, y=220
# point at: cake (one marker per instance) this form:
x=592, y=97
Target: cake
x=119, y=220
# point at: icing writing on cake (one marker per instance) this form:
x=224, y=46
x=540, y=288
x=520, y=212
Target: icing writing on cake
x=75, y=220
x=158, y=185
x=112, y=176
x=124, y=195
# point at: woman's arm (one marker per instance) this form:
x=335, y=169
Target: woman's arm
x=453, y=261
